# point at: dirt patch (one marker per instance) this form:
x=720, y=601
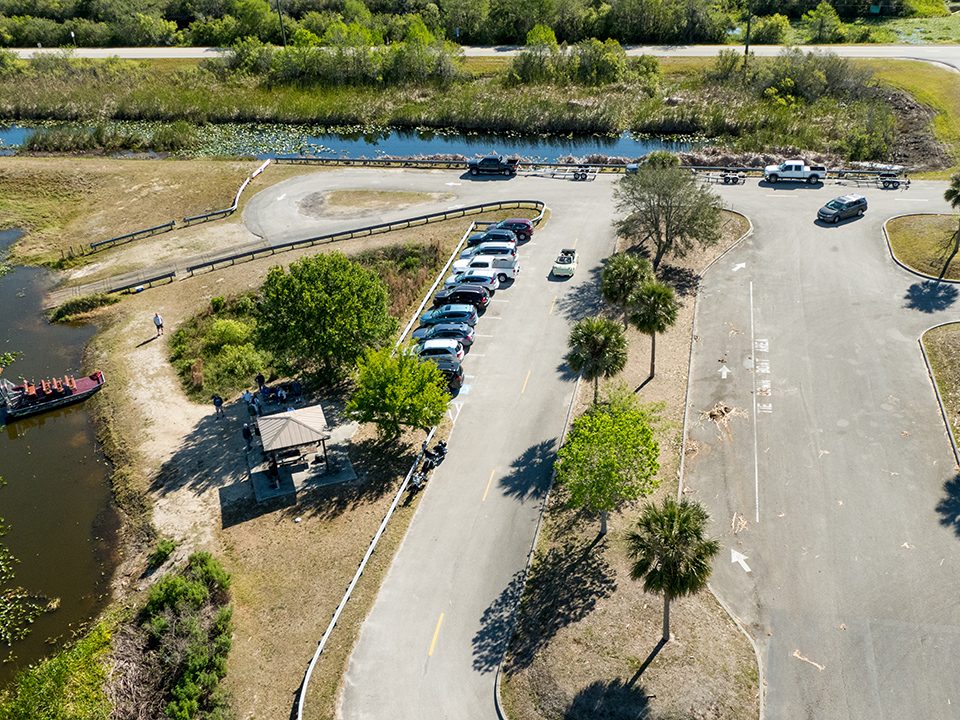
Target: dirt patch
x=358, y=203
x=587, y=665
x=914, y=145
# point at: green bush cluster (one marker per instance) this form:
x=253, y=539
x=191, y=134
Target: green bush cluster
x=188, y=622
x=588, y=62
x=214, y=351
x=27, y=23
x=161, y=551
x=174, y=137
x=416, y=60
x=78, y=306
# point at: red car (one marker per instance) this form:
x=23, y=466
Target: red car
x=521, y=227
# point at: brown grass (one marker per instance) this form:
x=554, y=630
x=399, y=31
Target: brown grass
x=379, y=199
x=584, y=668
x=942, y=345
x=924, y=243
x=66, y=203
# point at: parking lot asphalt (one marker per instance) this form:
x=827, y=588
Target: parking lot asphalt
x=826, y=475
x=826, y=470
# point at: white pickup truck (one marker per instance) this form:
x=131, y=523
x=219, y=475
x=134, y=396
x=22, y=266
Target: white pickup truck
x=795, y=171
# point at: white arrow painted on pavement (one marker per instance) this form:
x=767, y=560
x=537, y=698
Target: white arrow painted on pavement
x=739, y=266
x=724, y=371
x=740, y=559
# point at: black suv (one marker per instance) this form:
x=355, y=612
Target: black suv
x=491, y=235
x=493, y=165
x=841, y=208
x=452, y=371
x=463, y=295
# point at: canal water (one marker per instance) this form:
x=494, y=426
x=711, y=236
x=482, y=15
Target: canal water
x=265, y=141
x=56, y=500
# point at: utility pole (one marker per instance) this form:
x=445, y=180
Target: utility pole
x=283, y=33
x=746, y=43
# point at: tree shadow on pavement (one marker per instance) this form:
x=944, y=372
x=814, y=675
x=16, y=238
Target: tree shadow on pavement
x=583, y=299
x=949, y=506
x=930, y=296
x=563, y=587
x=529, y=476
x=609, y=700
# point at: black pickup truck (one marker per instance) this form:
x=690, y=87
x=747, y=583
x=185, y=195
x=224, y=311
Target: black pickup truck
x=493, y=165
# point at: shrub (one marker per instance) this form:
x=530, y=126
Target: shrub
x=163, y=549
x=217, y=303
x=173, y=137
x=78, y=306
x=227, y=331
x=236, y=364
x=770, y=30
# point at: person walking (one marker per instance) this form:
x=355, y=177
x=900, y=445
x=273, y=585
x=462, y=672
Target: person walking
x=218, y=405
x=261, y=381
x=158, y=322
x=248, y=435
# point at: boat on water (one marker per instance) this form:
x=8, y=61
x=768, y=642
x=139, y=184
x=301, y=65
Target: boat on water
x=30, y=398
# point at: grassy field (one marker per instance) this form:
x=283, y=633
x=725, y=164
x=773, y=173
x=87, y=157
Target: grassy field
x=924, y=243
x=942, y=345
x=589, y=627
x=935, y=87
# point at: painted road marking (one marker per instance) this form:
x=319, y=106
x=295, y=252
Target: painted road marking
x=453, y=184
x=910, y=200
x=575, y=241
x=489, y=483
x=724, y=372
x=738, y=266
x=782, y=195
x=740, y=559
x=480, y=335
x=756, y=455
x=436, y=634
x=552, y=303
x=525, y=381
x=455, y=207
x=500, y=301
x=281, y=196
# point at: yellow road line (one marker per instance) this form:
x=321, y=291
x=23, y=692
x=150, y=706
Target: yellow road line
x=525, y=381
x=552, y=303
x=489, y=483
x=436, y=634
x=575, y=241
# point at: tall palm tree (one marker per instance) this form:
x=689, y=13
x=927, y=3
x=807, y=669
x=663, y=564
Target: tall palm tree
x=653, y=309
x=670, y=553
x=598, y=348
x=623, y=275
x=952, y=196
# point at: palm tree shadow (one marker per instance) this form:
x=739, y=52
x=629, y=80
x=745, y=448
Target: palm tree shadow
x=563, y=587
x=949, y=506
x=610, y=700
x=930, y=296
x=529, y=476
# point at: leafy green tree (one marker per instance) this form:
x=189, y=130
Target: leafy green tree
x=653, y=309
x=467, y=16
x=610, y=457
x=397, y=389
x=322, y=314
x=598, y=348
x=952, y=196
x=668, y=209
x=623, y=275
x=542, y=36
x=670, y=552
x=823, y=24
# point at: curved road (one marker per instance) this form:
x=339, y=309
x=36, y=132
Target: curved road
x=945, y=54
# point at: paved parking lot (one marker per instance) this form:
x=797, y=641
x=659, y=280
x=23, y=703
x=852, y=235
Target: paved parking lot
x=825, y=474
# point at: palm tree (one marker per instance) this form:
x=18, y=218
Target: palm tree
x=654, y=309
x=624, y=274
x=952, y=196
x=598, y=348
x=670, y=553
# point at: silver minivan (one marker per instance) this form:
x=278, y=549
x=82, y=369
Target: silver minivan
x=490, y=248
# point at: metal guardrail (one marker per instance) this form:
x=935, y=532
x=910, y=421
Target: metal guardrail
x=135, y=235
x=186, y=222
x=366, y=231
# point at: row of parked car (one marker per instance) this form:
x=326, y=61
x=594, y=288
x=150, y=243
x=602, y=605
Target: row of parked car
x=448, y=330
